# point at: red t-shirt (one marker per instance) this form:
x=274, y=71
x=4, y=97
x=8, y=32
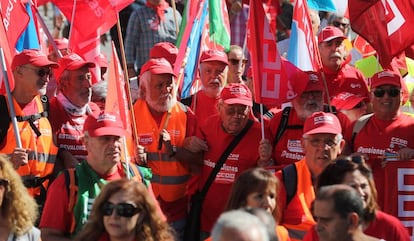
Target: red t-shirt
x=381, y=137
x=384, y=226
x=55, y=212
x=68, y=128
x=244, y=156
x=204, y=106
x=347, y=79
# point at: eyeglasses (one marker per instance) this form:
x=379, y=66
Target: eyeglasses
x=359, y=105
x=392, y=92
x=40, y=72
x=237, y=61
x=338, y=24
x=126, y=210
x=4, y=182
x=318, y=142
x=240, y=112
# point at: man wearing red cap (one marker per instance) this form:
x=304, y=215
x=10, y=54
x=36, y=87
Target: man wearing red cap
x=35, y=159
x=213, y=76
x=234, y=115
x=69, y=109
x=387, y=139
x=321, y=142
x=71, y=195
x=286, y=125
x=340, y=76
x=351, y=105
x=163, y=125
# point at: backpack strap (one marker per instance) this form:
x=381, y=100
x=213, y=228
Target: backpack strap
x=71, y=182
x=290, y=181
x=32, y=118
x=4, y=118
x=359, y=124
x=282, y=124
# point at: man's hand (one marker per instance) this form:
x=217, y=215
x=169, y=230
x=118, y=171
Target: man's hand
x=141, y=155
x=405, y=154
x=265, y=154
x=195, y=144
x=19, y=157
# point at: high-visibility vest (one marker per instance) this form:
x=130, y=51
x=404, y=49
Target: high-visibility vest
x=42, y=152
x=297, y=217
x=169, y=175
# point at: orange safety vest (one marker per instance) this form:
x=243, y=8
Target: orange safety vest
x=42, y=150
x=297, y=217
x=169, y=175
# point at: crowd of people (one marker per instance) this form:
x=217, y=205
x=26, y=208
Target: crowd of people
x=333, y=162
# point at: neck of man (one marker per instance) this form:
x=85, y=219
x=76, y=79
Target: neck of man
x=102, y=170
x=388, y=116
x=22, y=97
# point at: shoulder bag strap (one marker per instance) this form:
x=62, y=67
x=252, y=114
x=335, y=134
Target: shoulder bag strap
x=223, y=158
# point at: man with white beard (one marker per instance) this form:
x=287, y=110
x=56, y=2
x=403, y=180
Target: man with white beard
x=162, y=126
x=213, y=77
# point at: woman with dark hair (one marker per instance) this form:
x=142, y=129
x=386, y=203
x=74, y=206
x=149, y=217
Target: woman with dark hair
x=256, y=188
x=18, y=210
x=124, y=210
x=353, y=171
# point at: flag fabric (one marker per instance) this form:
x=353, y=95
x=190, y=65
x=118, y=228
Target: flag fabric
x=94, y=16
x=386, y=25
x=363, y=47
x=219, y=23
x=270, y=81
x=14, y=21
x=322, y=5
x=303, y=51
x=196, y=15
x=29, y=39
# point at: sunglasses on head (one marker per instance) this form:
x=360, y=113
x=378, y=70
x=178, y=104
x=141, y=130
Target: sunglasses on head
x=126, y=210
x=354, y=159
x=237, y=61
x=392, y=92
x=4, y=182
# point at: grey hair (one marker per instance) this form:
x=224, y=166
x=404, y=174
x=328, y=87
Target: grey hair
x=239, y=221
x=99, y=90
x=144, y=81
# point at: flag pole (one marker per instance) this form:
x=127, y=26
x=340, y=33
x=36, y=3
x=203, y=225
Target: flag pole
x=71, y=22
x=175, y=16
x=48, y=34
x=128, y=88
x=10, y=100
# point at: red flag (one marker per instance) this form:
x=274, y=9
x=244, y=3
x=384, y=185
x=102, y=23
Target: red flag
x=94, y=16
x=270, y=80
x=386, y=25
x=363, y=47
x=117, y=101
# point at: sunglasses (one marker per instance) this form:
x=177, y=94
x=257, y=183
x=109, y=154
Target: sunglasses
x=359, y=105
x=4, y=182
x=392, y=92
x=338, y=24
x=354, y=159
x=40, y=72
x=126, y=210
x=237, y=61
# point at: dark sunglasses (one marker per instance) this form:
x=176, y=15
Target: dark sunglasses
x=392, y=92
x=354, y=159
x=4, y=182
x=40, y=72
x=359, y=105
x=126, y=210
x=237, y=61
x=337, y=24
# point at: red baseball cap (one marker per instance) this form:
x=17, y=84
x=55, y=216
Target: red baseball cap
x=305, y=81
x=71, y=61
x=236, y=93
x=158, y=66
x=328, y=33
x=386, y=78
x=105, y=124
x=214, y=55
x=346, y=100
x=34, y=57
x=61, y=43
x=321, y=122
x=165, y=50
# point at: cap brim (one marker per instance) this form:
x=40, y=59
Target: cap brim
x=386, y=82
x=239, y=101
x=347, y=104
x=216, y=59
x=162, y=71
x=107, y=131
x=332, y=38
x=323, y=129
x=42, y=63
x=75, y=66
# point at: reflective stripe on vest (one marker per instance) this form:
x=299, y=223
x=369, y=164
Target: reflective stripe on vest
x=170, y=172
x=297, y=217
x=42, y=157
